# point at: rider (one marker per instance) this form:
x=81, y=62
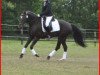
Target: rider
x=46, y=12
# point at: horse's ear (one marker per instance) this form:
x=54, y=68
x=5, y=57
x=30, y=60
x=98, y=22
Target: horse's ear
x=26, y=16
x=26, y=12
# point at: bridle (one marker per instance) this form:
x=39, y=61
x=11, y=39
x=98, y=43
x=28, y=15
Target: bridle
x=26, y=15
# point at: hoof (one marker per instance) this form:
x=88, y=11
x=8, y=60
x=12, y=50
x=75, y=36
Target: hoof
x=62, y=59
x=48, y=58
x=37, y=55
x=21, y=56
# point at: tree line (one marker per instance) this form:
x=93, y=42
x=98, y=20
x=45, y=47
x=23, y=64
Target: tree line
x=83, y=13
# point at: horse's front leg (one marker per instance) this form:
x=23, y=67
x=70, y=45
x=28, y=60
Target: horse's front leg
x=26, y=45
x=32, y=45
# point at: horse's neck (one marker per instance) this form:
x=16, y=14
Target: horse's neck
x=30, y=24
x=34, y=23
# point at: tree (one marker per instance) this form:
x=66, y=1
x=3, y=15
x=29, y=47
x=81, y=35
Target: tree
x=83, y=13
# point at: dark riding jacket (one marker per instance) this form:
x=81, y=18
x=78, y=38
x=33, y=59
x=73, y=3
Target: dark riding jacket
x=46, y=9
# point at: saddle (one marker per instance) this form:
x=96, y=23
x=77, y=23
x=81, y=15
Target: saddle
x=49, y=24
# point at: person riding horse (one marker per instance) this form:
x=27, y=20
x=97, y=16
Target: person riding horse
x=46, y=12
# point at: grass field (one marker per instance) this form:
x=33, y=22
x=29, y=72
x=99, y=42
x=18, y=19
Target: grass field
x=81, y=61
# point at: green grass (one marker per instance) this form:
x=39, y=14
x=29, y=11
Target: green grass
x=81, y=61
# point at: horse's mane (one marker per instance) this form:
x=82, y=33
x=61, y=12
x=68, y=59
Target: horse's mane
x=30, y=13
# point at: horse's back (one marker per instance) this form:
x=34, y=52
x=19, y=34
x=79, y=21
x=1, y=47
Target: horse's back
x=65, y=26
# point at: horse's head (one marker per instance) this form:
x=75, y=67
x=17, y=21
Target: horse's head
x=22, y=19
x=26, y=17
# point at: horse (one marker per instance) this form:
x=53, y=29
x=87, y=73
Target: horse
x=36, y=33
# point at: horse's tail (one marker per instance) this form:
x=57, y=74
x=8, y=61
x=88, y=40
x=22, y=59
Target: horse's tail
x=78, y=36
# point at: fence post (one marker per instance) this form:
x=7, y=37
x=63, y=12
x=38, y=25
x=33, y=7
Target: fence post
x=22, y=36
x=95, y=38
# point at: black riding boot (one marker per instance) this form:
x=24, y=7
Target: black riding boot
x=48, y=29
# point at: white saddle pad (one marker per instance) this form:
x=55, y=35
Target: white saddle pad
x=55, y=24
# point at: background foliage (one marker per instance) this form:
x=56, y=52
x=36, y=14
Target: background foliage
x=83, y=13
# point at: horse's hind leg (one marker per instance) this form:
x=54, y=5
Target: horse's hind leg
x=57, y=47
x=26, y=45
x=64, y=57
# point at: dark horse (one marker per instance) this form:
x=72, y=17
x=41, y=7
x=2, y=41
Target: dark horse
x=35, y=33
